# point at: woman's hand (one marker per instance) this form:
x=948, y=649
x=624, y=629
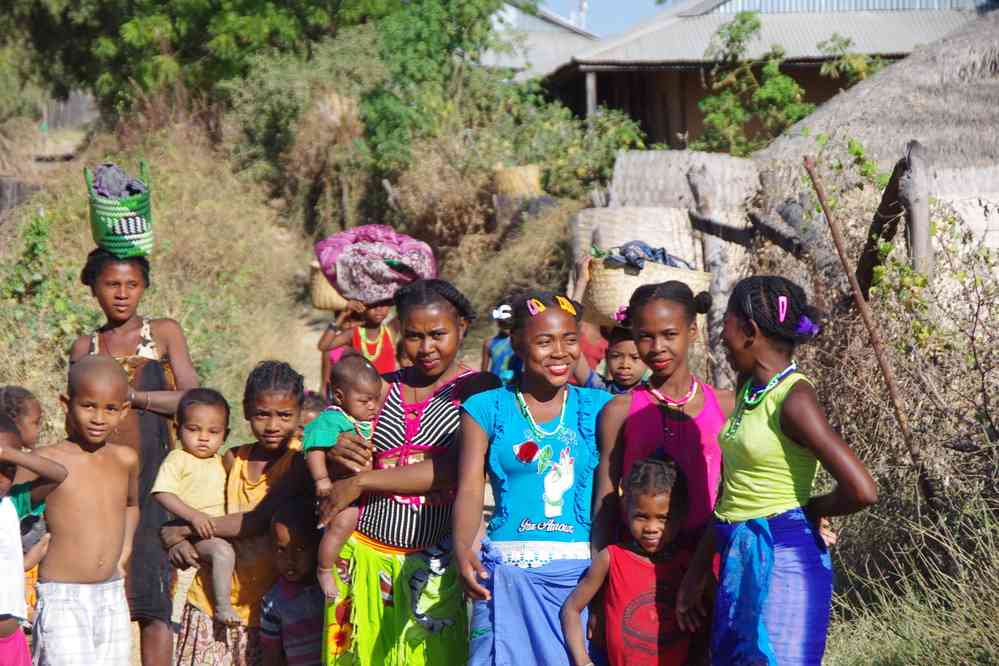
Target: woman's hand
x=690, y=610
x=183, y=555
x=826, y=532
x=342, y=494
x=351, y=455
x=171, y=535
x=471, y=570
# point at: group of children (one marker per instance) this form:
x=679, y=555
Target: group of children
x=87, y=491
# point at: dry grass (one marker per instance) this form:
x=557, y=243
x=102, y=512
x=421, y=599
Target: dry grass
x=222, y=267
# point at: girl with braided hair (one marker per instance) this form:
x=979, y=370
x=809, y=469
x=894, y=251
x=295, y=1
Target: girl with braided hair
x=642, y=573
x=272, y=403
x=536, y=441
x=775, y=588
x=399, y=600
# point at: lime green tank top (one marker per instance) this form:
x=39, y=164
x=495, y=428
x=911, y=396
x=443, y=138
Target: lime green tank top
x=763, y=471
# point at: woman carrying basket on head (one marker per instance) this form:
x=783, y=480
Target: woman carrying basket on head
x=155, y=357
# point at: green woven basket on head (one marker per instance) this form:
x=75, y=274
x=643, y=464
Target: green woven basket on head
x=123, y=227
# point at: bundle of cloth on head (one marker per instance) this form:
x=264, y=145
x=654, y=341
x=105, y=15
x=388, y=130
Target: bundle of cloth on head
x=369, y=263
x=120, y=210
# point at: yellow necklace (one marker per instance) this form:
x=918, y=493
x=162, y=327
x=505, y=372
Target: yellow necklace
x=378, y=345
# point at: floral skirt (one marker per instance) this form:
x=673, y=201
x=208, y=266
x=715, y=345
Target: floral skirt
x=204, y=642
x=395, y=608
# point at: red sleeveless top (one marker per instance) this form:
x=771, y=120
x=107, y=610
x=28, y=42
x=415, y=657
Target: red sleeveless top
x=381, y=353
x=640, y=610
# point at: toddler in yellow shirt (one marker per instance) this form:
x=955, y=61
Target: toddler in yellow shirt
x=191, y=485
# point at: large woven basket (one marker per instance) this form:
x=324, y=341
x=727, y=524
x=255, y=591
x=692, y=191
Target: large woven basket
x=123, y=227
x=611, y=287
x=324, y=295
x=659, y=227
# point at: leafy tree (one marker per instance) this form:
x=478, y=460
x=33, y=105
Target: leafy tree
x=120, y=47
x=751, y=101
x=853, y=67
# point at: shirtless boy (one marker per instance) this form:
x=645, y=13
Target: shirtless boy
x=83, y=615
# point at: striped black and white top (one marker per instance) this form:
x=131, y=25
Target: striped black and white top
x=406, y=434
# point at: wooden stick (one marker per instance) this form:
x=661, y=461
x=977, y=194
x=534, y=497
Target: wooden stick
x=925, y=484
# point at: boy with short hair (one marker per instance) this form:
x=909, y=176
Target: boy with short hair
x=17, y=501
x=83, y=616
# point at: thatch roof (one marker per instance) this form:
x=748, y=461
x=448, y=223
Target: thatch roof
x=945, y=95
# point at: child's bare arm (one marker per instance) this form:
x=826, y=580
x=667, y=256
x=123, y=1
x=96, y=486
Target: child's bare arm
x=200, y=521
x=36, y=552
x=131, y=507
x=316, y=461
x=572, y=625
x=50, y=473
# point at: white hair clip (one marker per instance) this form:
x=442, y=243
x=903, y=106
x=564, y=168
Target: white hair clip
x=502, y=312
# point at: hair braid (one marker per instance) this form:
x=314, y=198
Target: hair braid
x=655, y=476
x=421, y=293
x=274, y=376
x=759, y=299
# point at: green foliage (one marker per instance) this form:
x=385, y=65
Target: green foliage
x=20, y=96
x=851, y=66
x=123, y=48
x=37, y=293
x=751, y=101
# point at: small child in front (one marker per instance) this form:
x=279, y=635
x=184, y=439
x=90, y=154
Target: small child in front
x=291, y=613
x=642, y=576
x=83, y=617
x=356, y=390
x=191, y=485
x=17, y=501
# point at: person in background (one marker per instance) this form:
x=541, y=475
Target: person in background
x=83, y=614
x=624, y=366
x=24, y=409
x=592, y=343
x=497, y=352
x=291, y=613
x=642, y=573
x=154, y=355
x=775, y=587
x=16, y=502
x=347, y=320
x=373, y=338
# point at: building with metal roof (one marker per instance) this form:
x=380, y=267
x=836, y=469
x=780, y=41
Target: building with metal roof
x=538, y=41
x=655, y=71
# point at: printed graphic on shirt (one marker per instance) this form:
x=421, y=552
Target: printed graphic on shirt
x=559, y=475
x=649, y=624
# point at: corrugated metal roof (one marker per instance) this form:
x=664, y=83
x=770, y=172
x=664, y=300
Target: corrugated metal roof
x=793, y=6
x=672, y=38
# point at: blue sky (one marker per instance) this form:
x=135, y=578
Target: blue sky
x=607, y=17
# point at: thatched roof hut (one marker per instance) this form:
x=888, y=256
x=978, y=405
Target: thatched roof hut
x=945, y=95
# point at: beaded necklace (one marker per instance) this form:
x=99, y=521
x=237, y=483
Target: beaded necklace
x=669, y=403
x=753, y=395
x=530, y=418
x=378, y=345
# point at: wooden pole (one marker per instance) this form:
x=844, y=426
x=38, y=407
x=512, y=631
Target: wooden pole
x=591, y=94
x=925, y=484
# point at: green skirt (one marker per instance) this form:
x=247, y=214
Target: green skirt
x=395, y=608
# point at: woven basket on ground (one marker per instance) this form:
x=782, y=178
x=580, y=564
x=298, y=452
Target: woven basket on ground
x=123, y=227
x=612, y=287
x=522, y=182
x=324, y=295
x=659, y=227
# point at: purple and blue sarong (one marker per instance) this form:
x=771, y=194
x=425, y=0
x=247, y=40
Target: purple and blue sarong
x=520, y=624
x=774, y=594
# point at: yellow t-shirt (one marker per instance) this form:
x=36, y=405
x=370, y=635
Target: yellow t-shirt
x=254, y=574
x=199, y=482
x=764, y=472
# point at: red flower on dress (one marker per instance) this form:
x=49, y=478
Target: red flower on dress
x=526, y=452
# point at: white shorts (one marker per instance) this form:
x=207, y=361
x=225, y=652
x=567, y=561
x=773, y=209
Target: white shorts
x=82, y=624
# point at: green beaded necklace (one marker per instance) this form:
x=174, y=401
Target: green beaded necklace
x=530, y=418
x=752, y=396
